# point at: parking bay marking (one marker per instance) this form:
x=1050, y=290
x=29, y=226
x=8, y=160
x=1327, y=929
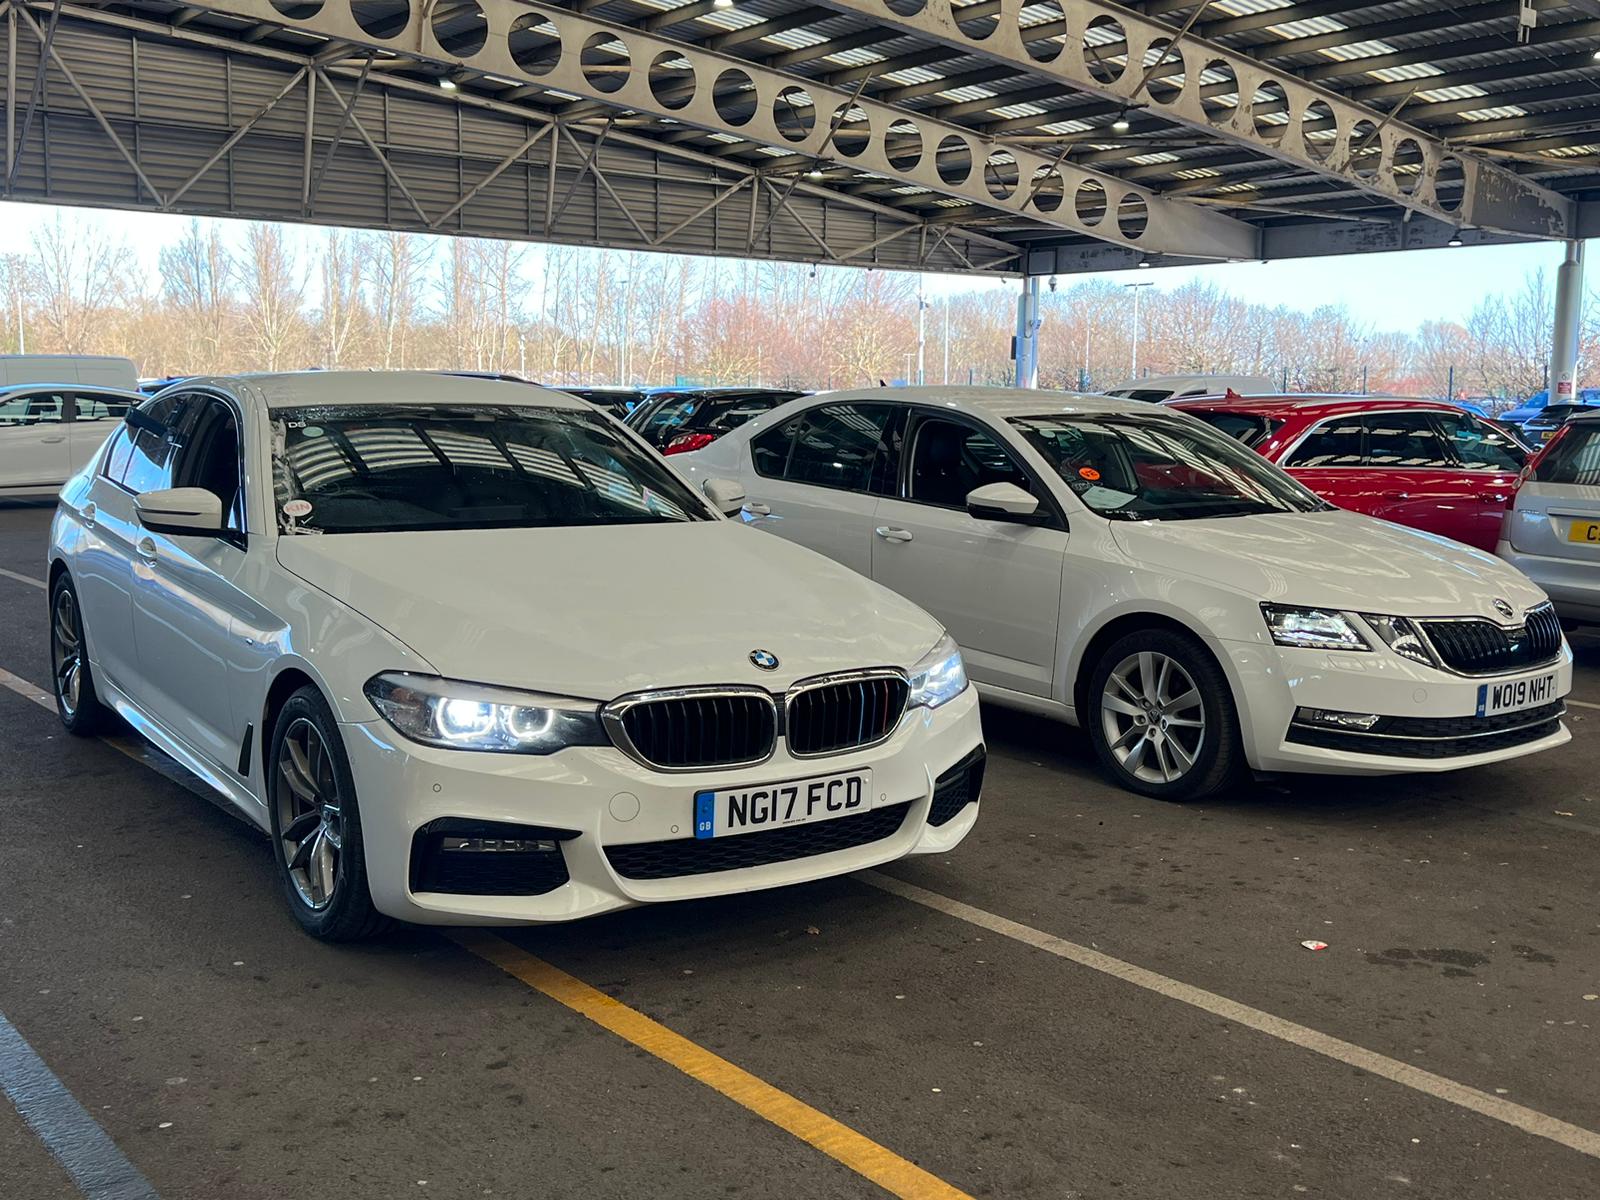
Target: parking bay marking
x=85, y=1151
x=895, y=1175
x=1575, y=1137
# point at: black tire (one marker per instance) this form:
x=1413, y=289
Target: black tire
x=347, y=915
x=81, y=713
x=1217, y=759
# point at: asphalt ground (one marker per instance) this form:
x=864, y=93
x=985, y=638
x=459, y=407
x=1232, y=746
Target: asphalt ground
x=1052, y=1011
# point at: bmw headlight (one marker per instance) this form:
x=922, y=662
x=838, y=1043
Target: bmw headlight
x=940, y=676
x=1312, y=628
x=472, y=716
x=1402, y=635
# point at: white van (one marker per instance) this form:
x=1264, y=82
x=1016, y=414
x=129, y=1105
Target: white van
x=1156, y=388
x=94, y=370
x=48, y=431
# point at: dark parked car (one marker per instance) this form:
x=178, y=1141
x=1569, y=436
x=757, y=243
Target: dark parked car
x=677, y=420
x=1547, y=422
x=618, y=401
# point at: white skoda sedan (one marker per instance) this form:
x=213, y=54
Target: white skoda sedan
x=1127, y=568
x=470, y=652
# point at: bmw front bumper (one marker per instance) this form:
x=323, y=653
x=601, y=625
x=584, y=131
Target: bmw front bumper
x=624, y=833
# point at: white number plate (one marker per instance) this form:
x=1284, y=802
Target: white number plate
x=1515, y=694
x=774, y=805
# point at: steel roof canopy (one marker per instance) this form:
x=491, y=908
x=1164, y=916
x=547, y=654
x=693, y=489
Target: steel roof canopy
x=990, y=136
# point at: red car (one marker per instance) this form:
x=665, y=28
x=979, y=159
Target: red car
x=1422, y=463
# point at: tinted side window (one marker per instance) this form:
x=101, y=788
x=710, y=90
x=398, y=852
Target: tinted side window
x=146, y=465
x=33, y=408
x=1335, y=443
x=838, y=446
x=1478, y=445
x=1404, y=440
x=99, y=406
x=949, y=459
x=210, y=460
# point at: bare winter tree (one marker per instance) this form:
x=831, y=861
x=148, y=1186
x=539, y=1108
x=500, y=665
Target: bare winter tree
x=197, y=283
x=79, y=275
x=274, y=288
x=344, y=314
x=399, y=261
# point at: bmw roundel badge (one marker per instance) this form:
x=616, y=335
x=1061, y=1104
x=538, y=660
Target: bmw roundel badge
x=765, y=659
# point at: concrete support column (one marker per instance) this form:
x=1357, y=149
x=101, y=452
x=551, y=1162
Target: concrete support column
x=1027, y=339
x=1569, y=319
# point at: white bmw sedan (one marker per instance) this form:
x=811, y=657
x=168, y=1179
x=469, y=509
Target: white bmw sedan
x=1127, y=568
x=470, y=652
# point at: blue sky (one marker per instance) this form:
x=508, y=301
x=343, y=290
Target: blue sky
x=1390, y=291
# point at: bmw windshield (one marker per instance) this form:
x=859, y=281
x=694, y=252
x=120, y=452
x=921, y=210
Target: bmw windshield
x=1131, y=467
x=379, y=468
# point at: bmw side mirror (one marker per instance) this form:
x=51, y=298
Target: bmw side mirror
x=187, y=510
x=1003, y=502
x=726, y=495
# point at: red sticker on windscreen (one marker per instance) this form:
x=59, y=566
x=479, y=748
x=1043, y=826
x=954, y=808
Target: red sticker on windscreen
x=1089, y=473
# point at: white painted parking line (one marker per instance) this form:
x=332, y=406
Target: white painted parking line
x=84, y=1150
x=26, y=690
x=1584, y=1141
x=1581, y=703
x=21, y=578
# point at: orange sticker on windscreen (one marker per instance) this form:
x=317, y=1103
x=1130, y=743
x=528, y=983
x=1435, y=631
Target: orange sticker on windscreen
x=1089, y=473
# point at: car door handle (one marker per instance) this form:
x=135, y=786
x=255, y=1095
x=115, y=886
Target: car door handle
x=147, y=549
x=1399, y=495
x=1494, y=497
x=758, y=510
x=890, y=534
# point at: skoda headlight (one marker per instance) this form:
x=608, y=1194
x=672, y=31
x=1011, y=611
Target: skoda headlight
x=472, y=716
x=1312, y=628
x=940, y=676
x=1402, y=635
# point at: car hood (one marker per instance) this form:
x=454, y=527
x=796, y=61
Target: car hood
x=600, y=612
x=1334, y=560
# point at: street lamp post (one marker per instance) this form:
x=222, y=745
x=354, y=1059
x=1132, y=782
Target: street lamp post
x=1136, y=288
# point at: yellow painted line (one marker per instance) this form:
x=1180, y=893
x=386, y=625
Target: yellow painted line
x=895, y=1175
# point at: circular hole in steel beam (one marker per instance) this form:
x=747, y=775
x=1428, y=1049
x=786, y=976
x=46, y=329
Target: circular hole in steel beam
x=1269, y=110
x=1318, y=129
x=1366, y=150
x=982, y=17
x=381, y=18
x=954, y=159
x=852, y=130
x=1105, y=49
x=1406, y=168
x=1133, y=216
x=459, y=26
x=1043, y=27
x=1166, y=80
x=534, y=43
x=1219, y=92
x=1089, y=202
x=298, y=10
x=1046, y=190
x=605, y=62
x=794, y=113
x=902, y=144
x=905, y=8
x=672, y=80
x=1000, y=174
x=1450, y=184
x=734, y=95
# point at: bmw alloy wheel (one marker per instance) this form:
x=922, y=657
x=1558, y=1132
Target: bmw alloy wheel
x=67, y=645
x=1153, y=718
x=309, y=818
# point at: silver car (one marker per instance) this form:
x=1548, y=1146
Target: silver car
x=1552, y=534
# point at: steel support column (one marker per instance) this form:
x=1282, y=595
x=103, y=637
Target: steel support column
x=1569, y=319
x=1027, y=343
